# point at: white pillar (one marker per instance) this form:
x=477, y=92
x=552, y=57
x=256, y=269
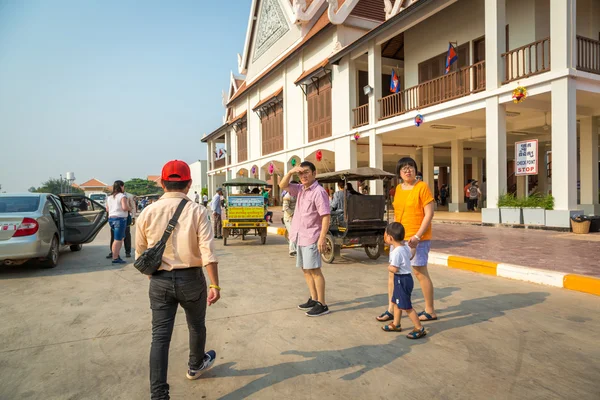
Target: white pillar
x=564, y=151
x=588, y=162
x=495, y=42
x=342, y=95
x=542, y=170
x=374, y=57
x=375, y=160
x=428, y=165
x=345, y=153
x=227, y=147
x=457, y=172
x=476, y=169
x=211, y=155
x=563, y=28
x=495, y=157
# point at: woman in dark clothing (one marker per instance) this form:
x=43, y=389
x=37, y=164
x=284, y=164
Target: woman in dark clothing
x=350, y=189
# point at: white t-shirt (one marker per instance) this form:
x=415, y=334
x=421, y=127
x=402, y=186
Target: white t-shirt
x=400, y=258
x=114, y=206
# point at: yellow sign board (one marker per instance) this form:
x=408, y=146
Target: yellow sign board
x=246, y=213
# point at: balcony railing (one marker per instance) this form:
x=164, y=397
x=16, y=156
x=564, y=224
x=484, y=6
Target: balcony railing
x=526, y=61
x=439, y=90
x=219, y=163
x=588, y=55
x=361, y=116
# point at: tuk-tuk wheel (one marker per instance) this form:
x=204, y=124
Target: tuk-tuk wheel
x=329, y=255
x=373, y=252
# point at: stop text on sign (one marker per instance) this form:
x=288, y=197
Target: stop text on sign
x=526, y=157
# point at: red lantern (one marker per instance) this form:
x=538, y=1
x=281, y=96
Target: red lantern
x=271, y=168
x=319, y=155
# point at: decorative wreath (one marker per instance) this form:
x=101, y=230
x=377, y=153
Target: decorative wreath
x=419, y=120
x=356, y=136
x=519, y=94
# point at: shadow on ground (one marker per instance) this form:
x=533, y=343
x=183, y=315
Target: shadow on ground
x=370, y=357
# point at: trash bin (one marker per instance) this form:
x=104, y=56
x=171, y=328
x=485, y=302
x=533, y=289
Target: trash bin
x=594, y=223
x=580, y=224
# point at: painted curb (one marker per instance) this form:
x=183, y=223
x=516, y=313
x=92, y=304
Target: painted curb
x=579, y=283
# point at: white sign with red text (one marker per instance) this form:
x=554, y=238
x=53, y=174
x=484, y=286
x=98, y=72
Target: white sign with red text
x=526, y=157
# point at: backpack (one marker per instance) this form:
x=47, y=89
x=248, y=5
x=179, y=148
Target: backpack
x=473, y=192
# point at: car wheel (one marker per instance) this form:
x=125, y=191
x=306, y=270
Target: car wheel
x=76, y=247
x=51, y=260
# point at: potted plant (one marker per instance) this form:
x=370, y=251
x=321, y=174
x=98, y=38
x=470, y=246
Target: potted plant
x=510, y=209
x=534, y=208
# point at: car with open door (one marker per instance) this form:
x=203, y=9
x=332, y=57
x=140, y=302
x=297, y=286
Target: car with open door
x=36, y=226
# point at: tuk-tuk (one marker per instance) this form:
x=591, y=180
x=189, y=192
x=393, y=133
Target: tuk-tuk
x=364, y=218
x=245, y=212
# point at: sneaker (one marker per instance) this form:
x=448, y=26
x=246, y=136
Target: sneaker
x=109, y=255
x=119, y=261
x=127, y=255
x=308, y=305
x=207, y=362
x=318, y=310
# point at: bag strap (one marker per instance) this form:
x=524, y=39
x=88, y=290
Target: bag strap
x=173, y=221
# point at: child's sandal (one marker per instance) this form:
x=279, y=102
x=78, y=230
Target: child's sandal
x=417, y=334
x=392, y=328
x=386, y=316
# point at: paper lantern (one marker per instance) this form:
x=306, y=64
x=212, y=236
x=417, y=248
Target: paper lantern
x=271, y=168
x=419, y=120
x=253, y=170
x=293, y=162
x=519, y=94
x=356, y=136
x=319, y=155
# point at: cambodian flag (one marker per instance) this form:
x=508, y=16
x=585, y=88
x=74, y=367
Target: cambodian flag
x=394, y=83
x=451, y=57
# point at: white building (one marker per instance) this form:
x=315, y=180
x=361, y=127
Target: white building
x=314, y=83
x=199, y=177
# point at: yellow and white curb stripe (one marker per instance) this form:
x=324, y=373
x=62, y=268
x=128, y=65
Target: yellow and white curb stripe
x=580, y=283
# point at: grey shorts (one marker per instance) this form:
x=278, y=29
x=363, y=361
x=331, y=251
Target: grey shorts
x=308, y=257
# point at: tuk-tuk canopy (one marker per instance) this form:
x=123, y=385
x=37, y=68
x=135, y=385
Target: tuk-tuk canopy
x=354, y=174
x=244, y=181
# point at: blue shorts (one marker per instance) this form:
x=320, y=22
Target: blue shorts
x=118, y=226
x=422, y=255
x=403, y=287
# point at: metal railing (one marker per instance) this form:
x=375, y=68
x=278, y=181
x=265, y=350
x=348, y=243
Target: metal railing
x=588, y=55
x=361, y=116
x=526, y=61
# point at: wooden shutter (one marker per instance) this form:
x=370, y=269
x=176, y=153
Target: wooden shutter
x=319, y=110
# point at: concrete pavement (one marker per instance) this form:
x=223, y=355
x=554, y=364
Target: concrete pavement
x=82, y=331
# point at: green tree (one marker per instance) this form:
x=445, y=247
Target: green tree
x=55, y=186
x=142, y=187
x=204, y=191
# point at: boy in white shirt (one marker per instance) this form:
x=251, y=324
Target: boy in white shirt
x=400, y=256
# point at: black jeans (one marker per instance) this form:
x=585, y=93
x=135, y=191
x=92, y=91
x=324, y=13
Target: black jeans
x=127, y=241
x=186, y=287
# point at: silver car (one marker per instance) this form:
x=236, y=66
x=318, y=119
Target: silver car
x=36, y=226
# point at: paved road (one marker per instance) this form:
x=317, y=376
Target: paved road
x=82, y=331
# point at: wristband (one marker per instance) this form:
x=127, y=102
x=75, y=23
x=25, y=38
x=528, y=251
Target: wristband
x=215, y=287
x=418, y=237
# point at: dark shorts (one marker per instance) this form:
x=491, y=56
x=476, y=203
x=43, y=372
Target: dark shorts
x=118, y=226
x=403, y=287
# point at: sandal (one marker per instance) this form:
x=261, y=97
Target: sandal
x=386, y=316
x=392, y=328
x=417, y=334
x=427, y=316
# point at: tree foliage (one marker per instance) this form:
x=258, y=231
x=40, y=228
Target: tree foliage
x=142, y=187
x=204, y=191
x=55, y=186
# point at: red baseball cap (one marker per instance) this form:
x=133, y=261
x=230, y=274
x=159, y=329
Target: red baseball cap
x=176, y=171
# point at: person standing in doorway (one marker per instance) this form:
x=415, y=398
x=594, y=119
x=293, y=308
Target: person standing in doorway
x=289, y=205
x=309, y=228
x=118, y=210
x=179, y=279
x=413, y=208
x=215, y=206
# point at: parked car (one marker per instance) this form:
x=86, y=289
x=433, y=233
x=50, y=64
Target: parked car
x=99, y=197
x=36, y=226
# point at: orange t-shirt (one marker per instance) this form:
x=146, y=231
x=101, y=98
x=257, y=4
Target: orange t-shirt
x=409, y=208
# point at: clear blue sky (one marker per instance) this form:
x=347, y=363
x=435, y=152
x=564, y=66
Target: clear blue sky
x=111, y=89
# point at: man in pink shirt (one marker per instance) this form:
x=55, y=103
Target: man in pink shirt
x=309, y=228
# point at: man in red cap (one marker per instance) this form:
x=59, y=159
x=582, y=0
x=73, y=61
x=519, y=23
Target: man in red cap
x=179, y=280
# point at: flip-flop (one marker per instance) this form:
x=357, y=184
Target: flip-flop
x=426, y=315
x=417, y=334
x=386, y=316
x=392, y=328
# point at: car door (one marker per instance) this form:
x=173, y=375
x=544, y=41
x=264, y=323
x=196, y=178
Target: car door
x=83, y=218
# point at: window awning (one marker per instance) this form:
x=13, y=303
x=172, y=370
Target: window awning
x=267, y=101
x=238, y=118
x=317, y=71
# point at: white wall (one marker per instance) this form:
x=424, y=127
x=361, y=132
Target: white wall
x=542, y=19
x=294, y=105
x=199, y=177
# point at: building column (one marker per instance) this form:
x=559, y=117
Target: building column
x=211, y=155
x=374, y=57
x=563, y=40
x=495, y=158
x=588, y=164
x=428, y=165
x=495, y=42
x=343, y=95
x=477, y=169
x=227, y=147
x=542, y=170
x=345, y=153
x=564, y=152
x=457, y=176
x=375, y=160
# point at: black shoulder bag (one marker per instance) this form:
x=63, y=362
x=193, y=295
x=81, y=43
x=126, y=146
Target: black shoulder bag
x=151, y=259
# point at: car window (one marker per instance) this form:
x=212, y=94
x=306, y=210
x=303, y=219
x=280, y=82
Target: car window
x=50, y=207
x=98, y=197
x=18, y=204
x=80, y=204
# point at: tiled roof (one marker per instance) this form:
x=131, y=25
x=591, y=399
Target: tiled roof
x=268, y=98
x=321, y=24
x=235, y=119
x=93, y=183
x=312, y=71
x=153, y=178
